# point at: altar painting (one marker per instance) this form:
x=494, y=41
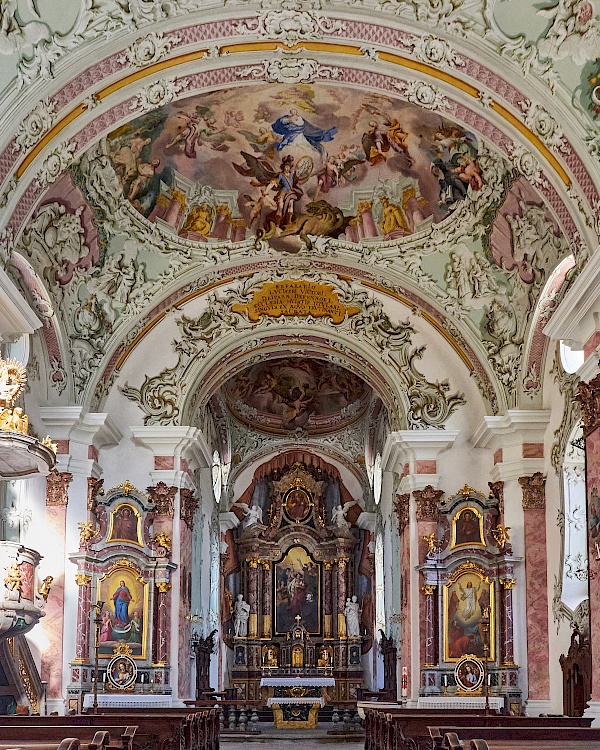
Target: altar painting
x=125, y=612
x=125, y=525
x=467, y=528
x=466, y=596
x=297, y=592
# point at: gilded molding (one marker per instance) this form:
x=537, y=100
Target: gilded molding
x=534, y=491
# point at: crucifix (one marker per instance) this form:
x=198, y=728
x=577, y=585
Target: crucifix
x=298, y=618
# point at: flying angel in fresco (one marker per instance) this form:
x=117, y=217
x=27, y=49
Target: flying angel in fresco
x=293, y=126
x=197, y=130
x=378, y=140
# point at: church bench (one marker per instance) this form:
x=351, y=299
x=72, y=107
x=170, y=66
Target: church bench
x=382, y=731
x=529, y=734
x=68, y=743
x=37, y=732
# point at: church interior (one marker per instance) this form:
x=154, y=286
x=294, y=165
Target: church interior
x=299, y=376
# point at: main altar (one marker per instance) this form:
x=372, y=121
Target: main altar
x=297, y=586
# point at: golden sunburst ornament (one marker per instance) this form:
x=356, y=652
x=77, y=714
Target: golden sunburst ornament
x=13, y=377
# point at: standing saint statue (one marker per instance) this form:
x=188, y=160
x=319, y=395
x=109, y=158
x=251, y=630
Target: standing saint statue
x=241, y=614
x=352, y=612
x=338, y=517
x=252, y=515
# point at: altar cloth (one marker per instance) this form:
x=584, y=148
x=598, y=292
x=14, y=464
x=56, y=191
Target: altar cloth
x=281, y=701
x=460, y=701
x=297, y=681
x=122, y=700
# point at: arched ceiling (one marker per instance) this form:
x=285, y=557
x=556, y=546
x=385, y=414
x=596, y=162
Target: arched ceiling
x=442, y=163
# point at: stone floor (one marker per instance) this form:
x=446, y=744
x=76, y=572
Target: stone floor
x=288, y=739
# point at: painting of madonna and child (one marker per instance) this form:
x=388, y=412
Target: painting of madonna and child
x=125, y=612
x=297, y=592
x=294, y=160
x=465, y=600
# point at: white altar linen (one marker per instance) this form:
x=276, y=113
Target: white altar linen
x=300, y=681
x=460, y=701
x=295, y=701
x=122, y=700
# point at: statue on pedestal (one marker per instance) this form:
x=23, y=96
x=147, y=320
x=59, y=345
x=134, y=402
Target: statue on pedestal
x=352, y=612
x=241, y=614
x=252, y=515
x=338, y=517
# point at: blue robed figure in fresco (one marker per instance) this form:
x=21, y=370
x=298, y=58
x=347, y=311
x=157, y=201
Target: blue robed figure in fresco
x=294, y=125
x=121, y=599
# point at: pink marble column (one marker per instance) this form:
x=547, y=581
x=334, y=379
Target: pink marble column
x=508, y=650
x=84, y=607
x=341, y=596
x=221, y=226
x=267, y=588
x=589, y=398
x=536, y=595
x=352, y=231
x=430, y=629
x=57, y=487
x=253, y=597
x=163, y=630
x=327, y=600
x=238, y=230
x=427, y=501
x=402, y=508
x=172, y=214
x=365, y=213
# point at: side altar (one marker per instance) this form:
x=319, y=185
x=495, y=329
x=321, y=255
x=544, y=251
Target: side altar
x=293, y=589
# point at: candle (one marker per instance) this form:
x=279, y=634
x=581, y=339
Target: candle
x=104, y=677
x=142, y=678
x=489, y=679
x=445, y=678
x=404, y=682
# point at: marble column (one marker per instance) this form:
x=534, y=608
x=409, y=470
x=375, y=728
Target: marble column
x=267, y=608
x=430, y=624
x=402, y=508
x=327, y=600
x=342, y=562
x=538, y=648
x=589, y=398
x=162, y=632
x=253, y=597
x=508, y=651
x=365, y=213
x=84, y=608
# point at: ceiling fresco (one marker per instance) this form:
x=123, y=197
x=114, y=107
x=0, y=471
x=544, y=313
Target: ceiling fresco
x=295, y=160
x=285, y=394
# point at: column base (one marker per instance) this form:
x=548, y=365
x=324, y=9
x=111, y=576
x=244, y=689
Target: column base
x=537, y=707
x=55, y=704
x=593, y=710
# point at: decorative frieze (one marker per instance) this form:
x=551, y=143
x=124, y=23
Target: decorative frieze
x=57, y=488
x=163, y=498
x=589, y=399
x=189, y=504
x=402, y=508
x=534, y=491
x=428, y=500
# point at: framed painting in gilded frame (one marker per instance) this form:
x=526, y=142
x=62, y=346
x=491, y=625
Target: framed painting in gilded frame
x=467, y=529
x=125, y=614
x=466, y=595
x=297, y=591
x=121, y=673
x=469, y=674
x=297, y=504
x=125, y=525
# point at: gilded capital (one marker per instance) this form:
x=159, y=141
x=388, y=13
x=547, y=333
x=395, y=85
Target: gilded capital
x=588, y=397
x=163, y=586
x=534, y=491
x=342, y=562
x=428, y=503
x=508, y=583
x=82, y=579
x=429, y=588
x=402, y=508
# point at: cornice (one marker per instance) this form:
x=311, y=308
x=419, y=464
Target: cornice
x=512, y=428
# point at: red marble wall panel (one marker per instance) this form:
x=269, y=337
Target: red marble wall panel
x=533, y=450
x=537, y=604
x=426, y=467
x=593, y=490
x=53, y=622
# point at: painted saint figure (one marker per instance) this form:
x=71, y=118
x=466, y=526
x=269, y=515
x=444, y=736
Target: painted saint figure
x=294, y=126
x=121, y=599
x=126, y=524
x=469, y=596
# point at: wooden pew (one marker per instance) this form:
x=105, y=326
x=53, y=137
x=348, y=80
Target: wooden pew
x=39, y=732
x=159, y=729
x=532, y=737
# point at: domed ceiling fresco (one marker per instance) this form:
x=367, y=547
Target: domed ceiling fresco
x=289, y=393
x=294, y=160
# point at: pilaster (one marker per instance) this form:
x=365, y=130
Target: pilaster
x=80, y=436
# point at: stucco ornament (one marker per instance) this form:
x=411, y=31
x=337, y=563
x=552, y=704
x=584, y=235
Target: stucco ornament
x=542, y=124
x=426, y=95
x=441, y=13
x=8, y=189
x=55, y=163
x=37, y=123
x=149, y=49
x=574, y=32
x=436, y=51
x=157, y=94
x=527, y=165
x=290, y=70
x=291, y=22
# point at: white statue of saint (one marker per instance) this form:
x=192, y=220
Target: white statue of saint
x=241, y=614
x=352, y=612
x=338, y=517
x=253, y=515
